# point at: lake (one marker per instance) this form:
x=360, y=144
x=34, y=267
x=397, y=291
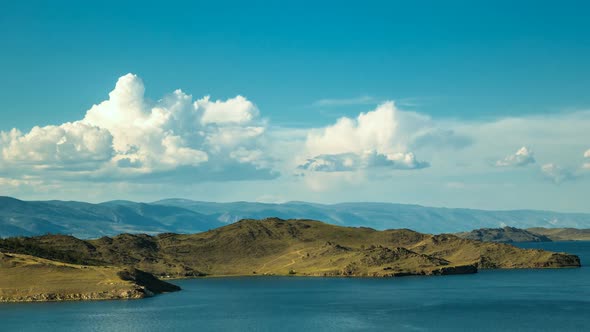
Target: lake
x=514, y=300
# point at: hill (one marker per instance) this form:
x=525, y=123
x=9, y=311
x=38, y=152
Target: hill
x=26, y=278
x=85, y=220
x=535, y=234
x=563, y=234
x=286, y=247
x=505, y=235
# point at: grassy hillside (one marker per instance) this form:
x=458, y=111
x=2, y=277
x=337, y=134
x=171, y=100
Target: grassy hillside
x=503, y=235
x=287, y=247
x=563, y=234
x=28, y=278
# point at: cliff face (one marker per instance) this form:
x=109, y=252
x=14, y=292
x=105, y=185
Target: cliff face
x=26, y=278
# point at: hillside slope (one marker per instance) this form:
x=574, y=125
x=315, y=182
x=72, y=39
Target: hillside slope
x=26, y=278
x=283, y=247
x=503, y=235
x=563, y=234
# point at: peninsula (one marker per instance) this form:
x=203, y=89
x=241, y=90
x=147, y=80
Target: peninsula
x=249, y=247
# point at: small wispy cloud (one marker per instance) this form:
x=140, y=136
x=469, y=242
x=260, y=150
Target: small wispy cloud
x=557, y=174
x=361, y=100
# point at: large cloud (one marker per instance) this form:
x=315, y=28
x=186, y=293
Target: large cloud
x=130, y=143
x=587, y=156
x=129, y=136
x=71, y=145
x=522, y=157
x=378, y=138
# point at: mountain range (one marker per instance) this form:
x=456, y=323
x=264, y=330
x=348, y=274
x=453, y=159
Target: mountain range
x=87, y=220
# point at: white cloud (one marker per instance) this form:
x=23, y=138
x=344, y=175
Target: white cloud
x=127, y=135
x=524, y=156
x=556, y=173
x=374, y=139
x=179, y=145
x=70, y=145
x=234, y=110
x=351, y=162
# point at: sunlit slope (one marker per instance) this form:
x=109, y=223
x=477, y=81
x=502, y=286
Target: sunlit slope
x=301, y=247
x=25, y=278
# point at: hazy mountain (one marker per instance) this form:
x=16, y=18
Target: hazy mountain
x=87, y=220
x=387, y=215
x=94, y=220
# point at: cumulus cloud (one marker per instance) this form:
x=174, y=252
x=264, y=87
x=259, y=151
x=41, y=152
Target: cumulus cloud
x=351, y=162
x=556, y=173
x=378, y=138
x=127, y=135
x=70, y=145
x=234, y=110
x=524, y=156
x=132, y=141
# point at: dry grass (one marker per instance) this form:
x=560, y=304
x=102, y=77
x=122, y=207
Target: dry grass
x=301, y=247
x=27, y=276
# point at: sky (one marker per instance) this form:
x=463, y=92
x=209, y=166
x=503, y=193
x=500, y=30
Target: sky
x=456, y=103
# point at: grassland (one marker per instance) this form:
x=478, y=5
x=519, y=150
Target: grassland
x=60, y=267
x=25, y=278
x=563, y=234
x=288, y=247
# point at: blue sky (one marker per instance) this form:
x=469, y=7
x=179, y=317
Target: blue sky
x=469, y=81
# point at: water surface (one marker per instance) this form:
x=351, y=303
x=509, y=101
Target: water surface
x=515, y=300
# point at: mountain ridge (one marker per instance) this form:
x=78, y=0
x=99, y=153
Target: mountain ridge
x=62, y=267
x=87, y=220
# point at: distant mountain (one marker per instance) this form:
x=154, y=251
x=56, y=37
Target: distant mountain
x=503, y=235
x=387, y=215
x=85, y=220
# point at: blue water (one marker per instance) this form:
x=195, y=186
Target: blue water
x=517, y=300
